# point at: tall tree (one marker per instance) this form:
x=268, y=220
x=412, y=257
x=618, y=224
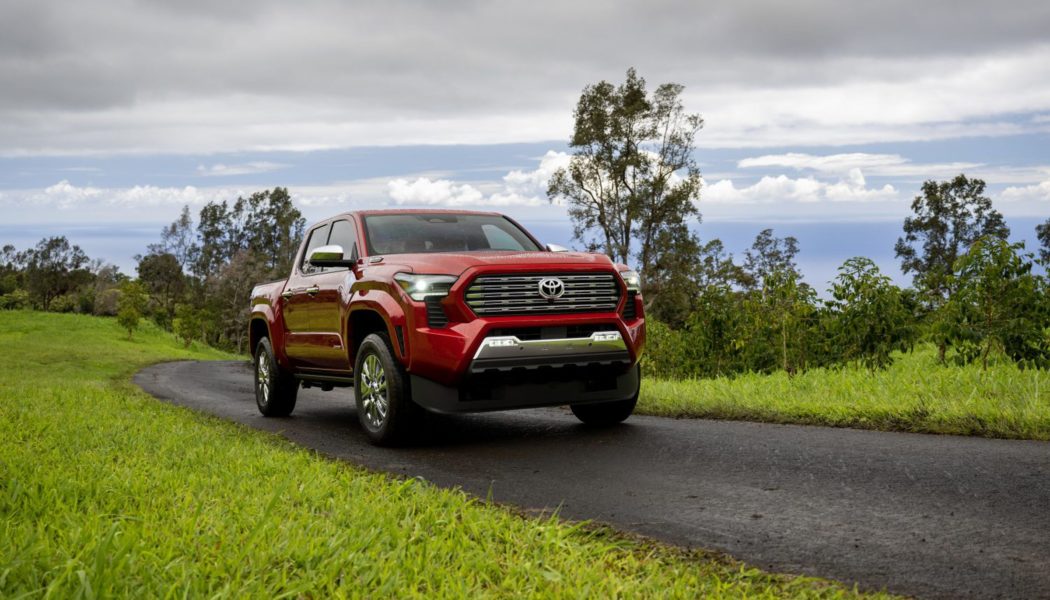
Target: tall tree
x=632, y=181
x=54, y=267
x=768, y=255
x=1042, y=231
x=162, y=277
x=178, y=239
x=948, y=218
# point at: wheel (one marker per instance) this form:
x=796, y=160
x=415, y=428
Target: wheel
x=384, y=403
x=603, y=414
x=275, y=389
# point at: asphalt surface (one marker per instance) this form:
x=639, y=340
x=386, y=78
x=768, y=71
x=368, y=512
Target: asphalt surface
x=924, y=515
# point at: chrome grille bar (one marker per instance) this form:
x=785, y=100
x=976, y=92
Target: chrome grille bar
x=519, y=294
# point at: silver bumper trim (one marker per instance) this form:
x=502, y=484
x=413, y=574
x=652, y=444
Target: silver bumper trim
x=510, y=347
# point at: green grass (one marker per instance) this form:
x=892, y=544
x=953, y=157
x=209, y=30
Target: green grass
x=915, y=394
x=108, y=492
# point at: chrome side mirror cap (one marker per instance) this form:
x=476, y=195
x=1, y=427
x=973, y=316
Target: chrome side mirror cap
x=556, y=248
x=329, y=256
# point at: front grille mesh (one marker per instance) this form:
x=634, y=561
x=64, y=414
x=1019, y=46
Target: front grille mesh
x=494, y=295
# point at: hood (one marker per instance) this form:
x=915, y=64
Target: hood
x=454, y=263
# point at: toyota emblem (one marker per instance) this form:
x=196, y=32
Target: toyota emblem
x=551, y=288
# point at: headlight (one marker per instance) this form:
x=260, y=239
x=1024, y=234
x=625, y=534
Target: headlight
x=419, y=287
x=633, y=280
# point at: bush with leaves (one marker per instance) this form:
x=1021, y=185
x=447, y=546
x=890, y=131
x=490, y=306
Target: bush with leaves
x=998, y=306
x=14, y=300
x=131, y=306
x=188, y=323
x=869, y=317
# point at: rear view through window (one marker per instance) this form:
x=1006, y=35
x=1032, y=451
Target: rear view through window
x=411, y=233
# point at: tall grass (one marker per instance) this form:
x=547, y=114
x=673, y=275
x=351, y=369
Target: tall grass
x=915, y=394
x=108, y=492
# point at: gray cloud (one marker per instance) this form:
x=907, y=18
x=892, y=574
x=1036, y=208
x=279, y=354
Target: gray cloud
x=118, y=75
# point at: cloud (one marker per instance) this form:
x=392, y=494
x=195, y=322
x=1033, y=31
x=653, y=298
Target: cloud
x=429, y=192
x=273, y=75
x=1039, y=193
x=250, y=168
x=782, y=189
x=885, y=165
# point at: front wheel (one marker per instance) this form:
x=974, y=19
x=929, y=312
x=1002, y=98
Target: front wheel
x=275, y=389
x=384, y=404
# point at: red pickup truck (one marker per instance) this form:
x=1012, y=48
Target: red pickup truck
x=446, y=311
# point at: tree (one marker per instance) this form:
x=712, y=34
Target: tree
x=1042, y=231
x=671, y=282
x=188, y=323
x=632, y=181
x=870, y=316
x=53, y=268
x=131, y=305
x=770, y=254
x=179, y=240
x=997, y=304
x=162, y=277
x=949, y=217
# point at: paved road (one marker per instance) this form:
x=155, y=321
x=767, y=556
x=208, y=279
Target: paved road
x=932, y=516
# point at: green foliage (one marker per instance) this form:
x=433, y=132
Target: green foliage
x=131, y=305
x=632, y=181
x=188, y=323
x=163, y=279
x=948, y=218
x=997, y=306
x=53, y=268
x=769, y=255
x=109, y=493
x=1042, y=232
x=14, y=300
x=870, y=317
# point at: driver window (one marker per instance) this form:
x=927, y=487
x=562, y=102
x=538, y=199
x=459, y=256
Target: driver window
x=318, y=237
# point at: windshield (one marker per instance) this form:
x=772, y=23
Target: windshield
x=435, y=232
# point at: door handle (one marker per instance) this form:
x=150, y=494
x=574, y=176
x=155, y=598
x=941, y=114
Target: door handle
x=287, y=294
x=313, y=290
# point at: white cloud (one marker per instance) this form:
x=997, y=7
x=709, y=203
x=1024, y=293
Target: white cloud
x=250, y=168
x=1039, y=193
x=782, y=189
x=430, y=192
x=886, y=165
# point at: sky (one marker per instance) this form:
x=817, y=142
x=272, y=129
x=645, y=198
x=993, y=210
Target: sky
x=822, y=119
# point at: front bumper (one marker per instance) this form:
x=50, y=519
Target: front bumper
x=547, y=387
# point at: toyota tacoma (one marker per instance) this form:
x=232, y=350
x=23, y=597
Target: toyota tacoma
x=450, y=312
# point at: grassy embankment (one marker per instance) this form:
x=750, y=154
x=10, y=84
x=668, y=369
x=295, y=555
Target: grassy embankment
x=105, y=491
x=915, y=394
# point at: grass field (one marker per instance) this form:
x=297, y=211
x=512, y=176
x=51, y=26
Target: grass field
x=915, y=394
x=108, y=492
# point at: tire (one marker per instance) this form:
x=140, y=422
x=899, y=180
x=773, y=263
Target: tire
x=381, y=391
x=604, y=414
x=275, y=388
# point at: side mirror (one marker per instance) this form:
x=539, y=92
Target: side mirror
x=556, y=248
x=329, y=256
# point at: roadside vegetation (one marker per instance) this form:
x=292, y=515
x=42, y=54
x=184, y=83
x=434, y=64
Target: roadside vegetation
x=106, y=492
x=916, y=394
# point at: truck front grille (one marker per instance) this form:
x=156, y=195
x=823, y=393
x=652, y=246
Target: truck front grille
x=494, y=295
